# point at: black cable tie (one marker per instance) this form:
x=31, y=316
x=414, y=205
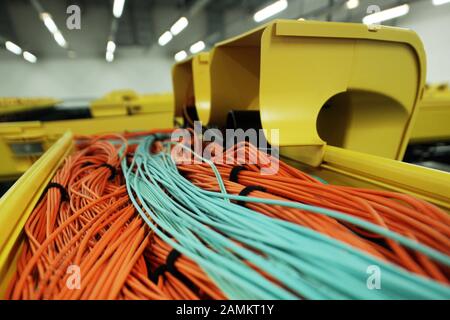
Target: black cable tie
x=111, y=168
x=234, y=173
x=247, y=190
x=171, y=258
x=87, y=163
x=154, y=276
x=170, y=261
x=169, y=266
x=62, y=190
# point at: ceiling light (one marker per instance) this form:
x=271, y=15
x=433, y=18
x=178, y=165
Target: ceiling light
x=386, y=14
x=118, y=8
x=29, y=57
x=49, y=23
x=60, y=39
x=51, y=26
x=179, y=26
x=352, y=4
x=111, y=46
x=270, y=10
x=197, y=47
x=165, y=38
x=109, y=56
x=14, y=48
x=439, y=2
x=179, y=56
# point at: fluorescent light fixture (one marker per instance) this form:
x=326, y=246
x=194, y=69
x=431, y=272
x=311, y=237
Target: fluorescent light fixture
x=179, y=26
x=109, y=56
x=165, y=38
x=51, y=26
x=181, y=55
x=118, y=8
x=111, y=46
x=352, y=4
x=197, y=47
x=439, y=2
x=60, y=39
x=29, y=57
x=270, y=10
x=49, y=23
x=14, y=48
x=386, y=14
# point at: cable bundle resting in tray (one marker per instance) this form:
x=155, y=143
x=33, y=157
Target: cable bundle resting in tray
x=85, y=219
x=250, y=255
x=141, y=224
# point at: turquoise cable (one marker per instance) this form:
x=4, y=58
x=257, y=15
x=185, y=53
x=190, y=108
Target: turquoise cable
x=432, y=253
x=205, y=227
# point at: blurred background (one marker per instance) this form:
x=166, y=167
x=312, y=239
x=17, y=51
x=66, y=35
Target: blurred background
x=73, y=64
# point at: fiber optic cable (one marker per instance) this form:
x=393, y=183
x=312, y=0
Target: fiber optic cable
x=85, y=219
x=292, y=261
x=291, y=184
x=201, y=239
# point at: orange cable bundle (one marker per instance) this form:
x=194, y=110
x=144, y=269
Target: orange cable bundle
x=411, y=217
x=86, y=220
x=187, y=270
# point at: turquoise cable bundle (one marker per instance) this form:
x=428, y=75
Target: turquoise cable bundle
x=252, y=256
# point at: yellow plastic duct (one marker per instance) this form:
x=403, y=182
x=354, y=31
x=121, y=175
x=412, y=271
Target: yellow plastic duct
x=348, y=85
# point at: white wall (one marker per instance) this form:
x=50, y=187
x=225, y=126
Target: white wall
x=86, y=77
x=145, y=70
x=432, y=24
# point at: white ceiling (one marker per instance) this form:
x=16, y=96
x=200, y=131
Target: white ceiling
x=144, y=21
